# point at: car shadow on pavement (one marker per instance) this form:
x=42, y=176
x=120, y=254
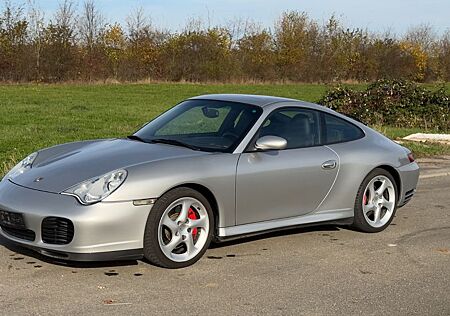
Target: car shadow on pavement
x=215, y=245
x=277, y=233
x=72, y=264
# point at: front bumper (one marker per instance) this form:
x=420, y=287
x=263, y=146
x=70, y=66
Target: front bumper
x=103, y=231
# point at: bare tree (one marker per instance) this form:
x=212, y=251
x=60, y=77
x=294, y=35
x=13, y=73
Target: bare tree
x=238, y=28
x=65, y=15
x=13, y=36
x=58, y=51
x=91, y=24
x=195, y=25
x=11, y=15
x=443, y=56
x=137, y=23
x=36, y=33
x=423, y=35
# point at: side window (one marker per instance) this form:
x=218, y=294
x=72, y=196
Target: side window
x=300, y=127
x=339, y=130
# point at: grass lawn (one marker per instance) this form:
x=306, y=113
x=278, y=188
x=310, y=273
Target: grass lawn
x=37, y=116
x=419, y=149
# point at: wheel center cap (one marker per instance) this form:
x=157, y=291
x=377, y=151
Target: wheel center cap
x=377, y=200
x=182, y=228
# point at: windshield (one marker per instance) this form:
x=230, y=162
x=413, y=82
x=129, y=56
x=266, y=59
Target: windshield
x=207, y=125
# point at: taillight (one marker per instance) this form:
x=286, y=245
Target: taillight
x=411, y=157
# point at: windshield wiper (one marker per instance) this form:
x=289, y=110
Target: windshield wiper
x=174, y=142
x=139, y=139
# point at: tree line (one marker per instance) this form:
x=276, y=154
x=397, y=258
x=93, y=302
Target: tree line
x=78, y=44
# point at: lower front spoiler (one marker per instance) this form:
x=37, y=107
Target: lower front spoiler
x=129, y=254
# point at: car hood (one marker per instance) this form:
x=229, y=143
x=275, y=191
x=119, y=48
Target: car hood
x=61, y=167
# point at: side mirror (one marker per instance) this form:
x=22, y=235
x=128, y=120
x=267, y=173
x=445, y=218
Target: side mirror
x=271, y=142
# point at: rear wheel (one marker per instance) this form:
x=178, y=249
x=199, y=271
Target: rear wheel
x=376, y=202
x=179, y=229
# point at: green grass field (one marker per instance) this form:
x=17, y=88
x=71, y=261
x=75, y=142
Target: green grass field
x=37, y=116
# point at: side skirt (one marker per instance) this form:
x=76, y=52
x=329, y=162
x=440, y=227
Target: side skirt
x=336, y=217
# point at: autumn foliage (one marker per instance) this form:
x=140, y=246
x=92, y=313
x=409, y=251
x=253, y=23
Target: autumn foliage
x=79, y=45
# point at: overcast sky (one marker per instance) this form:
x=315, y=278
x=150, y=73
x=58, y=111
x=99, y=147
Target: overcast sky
x=376, y=15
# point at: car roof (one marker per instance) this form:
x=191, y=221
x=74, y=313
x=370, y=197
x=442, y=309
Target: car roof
x=258, y=100
x=265, y=100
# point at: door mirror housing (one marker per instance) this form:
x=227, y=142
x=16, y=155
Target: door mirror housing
x=271, y=143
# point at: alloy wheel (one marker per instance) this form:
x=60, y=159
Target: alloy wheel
x=379, y=200
x=183, y=229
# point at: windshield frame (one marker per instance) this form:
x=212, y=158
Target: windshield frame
x=259, y=111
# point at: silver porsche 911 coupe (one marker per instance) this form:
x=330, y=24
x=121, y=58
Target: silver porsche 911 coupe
x=213, y=167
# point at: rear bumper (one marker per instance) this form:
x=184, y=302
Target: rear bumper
x=409, y=176
x=103, y=231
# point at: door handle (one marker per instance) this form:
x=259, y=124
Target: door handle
x=330, y=164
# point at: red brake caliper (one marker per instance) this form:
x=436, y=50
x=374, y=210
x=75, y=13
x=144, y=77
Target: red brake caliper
x=365, y=200
x=192, y=215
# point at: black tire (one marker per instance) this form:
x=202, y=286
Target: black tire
x=359, y=222
x=152, y=250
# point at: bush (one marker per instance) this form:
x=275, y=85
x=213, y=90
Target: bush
x=397, y=103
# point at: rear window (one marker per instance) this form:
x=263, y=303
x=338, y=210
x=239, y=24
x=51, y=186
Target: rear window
x=339, y=131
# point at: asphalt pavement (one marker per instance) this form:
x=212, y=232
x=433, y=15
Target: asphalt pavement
x=324, y=270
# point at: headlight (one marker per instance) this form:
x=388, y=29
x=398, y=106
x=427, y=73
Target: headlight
x=97, y=189
x=21, y=167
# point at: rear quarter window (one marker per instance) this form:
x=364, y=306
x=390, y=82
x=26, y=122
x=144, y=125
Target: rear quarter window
x=338, y=130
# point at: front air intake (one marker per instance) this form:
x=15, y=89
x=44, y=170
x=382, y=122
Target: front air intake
x=57, y=231
x=24, y=234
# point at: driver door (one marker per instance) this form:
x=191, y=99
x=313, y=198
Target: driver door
x=285, y=183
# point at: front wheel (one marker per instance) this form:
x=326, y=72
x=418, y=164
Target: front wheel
x=376, y=202
x=179, y=229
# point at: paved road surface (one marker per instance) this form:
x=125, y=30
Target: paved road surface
x=404, y=270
